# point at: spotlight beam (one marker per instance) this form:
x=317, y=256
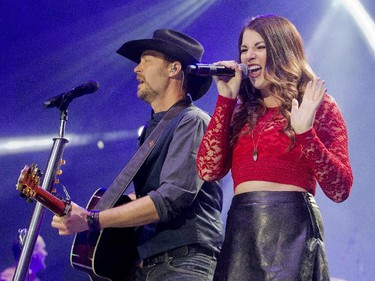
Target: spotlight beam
x=363, y=20
x=18, y=145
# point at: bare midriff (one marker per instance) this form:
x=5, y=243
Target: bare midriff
x=250, y=186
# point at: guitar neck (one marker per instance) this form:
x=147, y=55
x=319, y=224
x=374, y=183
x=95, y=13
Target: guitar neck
x=51, y=202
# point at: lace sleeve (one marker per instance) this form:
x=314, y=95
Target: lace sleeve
x=326, y=148
x=214, y=155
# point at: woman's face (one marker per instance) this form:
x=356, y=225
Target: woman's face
x=254, y=55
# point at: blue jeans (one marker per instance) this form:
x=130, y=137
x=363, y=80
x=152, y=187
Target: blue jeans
x=192, y=267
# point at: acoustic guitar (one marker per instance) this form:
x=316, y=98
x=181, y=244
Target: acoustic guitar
x=110, y=254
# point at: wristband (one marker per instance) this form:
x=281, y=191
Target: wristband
x=93, y=221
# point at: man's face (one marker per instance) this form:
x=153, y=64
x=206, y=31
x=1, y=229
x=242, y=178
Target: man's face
x=152, y=75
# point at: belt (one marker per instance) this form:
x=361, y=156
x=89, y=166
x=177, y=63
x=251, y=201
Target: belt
x=178, y=252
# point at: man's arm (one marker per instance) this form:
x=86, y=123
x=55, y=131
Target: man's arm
x=135, y=213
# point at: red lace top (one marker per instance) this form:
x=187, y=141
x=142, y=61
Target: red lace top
x=319, y=155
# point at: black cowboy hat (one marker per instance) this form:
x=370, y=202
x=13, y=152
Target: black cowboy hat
x=175, y=45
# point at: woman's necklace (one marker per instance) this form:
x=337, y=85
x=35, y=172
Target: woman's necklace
x=255, y=150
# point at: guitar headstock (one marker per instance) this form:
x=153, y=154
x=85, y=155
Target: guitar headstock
x=28, y=184
x=28, y=181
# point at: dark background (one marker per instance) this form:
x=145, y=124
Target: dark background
x=48, y=47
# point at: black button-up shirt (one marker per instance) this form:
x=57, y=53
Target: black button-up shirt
x=189, y=208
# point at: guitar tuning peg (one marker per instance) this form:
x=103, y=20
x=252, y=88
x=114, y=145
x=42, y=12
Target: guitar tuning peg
x=62, y=162
x=59, y=172
x=36, y=171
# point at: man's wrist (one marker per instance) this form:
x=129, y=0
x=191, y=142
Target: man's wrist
x=93, y=221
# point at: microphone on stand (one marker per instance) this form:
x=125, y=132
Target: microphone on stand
x=202, y=69
x=65, y=98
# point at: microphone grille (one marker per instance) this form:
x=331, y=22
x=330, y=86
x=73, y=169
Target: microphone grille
x=244, y=69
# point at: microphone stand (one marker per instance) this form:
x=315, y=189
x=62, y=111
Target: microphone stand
x=53, y=164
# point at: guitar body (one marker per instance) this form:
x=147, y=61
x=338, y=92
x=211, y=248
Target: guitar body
x=110, y=254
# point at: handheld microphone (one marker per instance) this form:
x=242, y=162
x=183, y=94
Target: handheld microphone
x=202, y=69
x=64, y=99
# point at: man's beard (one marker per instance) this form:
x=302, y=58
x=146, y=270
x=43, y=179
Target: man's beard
x=148, y=94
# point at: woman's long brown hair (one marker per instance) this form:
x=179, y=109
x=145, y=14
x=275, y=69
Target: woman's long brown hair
x=286, y=68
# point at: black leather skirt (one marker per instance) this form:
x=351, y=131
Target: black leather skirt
x=273, y=236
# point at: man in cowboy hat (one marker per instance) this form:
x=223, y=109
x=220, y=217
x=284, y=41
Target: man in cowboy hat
x=176, y=215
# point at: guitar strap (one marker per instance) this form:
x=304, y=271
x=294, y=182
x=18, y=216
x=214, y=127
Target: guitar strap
x=123, y=180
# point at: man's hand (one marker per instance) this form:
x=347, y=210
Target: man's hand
x=74, y=222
